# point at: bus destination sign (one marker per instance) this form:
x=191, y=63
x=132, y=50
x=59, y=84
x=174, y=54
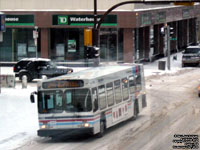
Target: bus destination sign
x=62, y=84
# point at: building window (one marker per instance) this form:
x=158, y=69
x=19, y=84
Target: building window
x=67, y=44
x=17, y=44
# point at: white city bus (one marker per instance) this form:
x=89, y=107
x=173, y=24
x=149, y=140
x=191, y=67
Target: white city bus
x=91, y=100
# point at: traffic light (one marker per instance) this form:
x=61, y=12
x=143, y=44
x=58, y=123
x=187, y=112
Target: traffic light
x=91, y=52
x=87, y=52
x=95, y=52
x=171, y=31
x=162, y=31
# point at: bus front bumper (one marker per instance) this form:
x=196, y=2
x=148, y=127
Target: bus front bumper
x=64, y=132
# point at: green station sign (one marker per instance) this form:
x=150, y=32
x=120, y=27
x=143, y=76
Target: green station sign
x=83, y=20
x=19, y=20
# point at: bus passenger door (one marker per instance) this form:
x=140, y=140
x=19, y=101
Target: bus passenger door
x=95, y=109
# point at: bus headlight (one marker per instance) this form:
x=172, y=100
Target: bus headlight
x=70, y=71
x=43, y=126
x=86, y=125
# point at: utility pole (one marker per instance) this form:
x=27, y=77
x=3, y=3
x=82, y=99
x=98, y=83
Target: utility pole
x=95, y=35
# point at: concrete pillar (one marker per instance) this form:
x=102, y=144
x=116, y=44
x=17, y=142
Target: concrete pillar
x=44, y=43
x=146, y=42
x=128, y=45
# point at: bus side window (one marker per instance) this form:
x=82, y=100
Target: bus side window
x=110, y=95
x=132, y=84
x=95, y=99
x=118, y=95
x=125, y=91
x=102, y=97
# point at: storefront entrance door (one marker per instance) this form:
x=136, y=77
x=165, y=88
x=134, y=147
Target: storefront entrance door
x=108, y=45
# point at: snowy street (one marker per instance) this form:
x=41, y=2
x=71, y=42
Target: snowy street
x=173, y=107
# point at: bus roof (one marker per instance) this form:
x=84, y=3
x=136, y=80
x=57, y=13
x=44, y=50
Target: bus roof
x=95, y=72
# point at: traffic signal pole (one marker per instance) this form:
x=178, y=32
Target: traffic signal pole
x=168, y=47
x=95, y=31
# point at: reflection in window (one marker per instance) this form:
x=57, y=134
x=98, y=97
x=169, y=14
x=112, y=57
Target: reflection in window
x=118, y=96
x=95, y=99
x=102, y=97
x=50, y=101
x=132, y=84
x=125, y=88
x=110, y=98
x=78, y=100
x=75, y=100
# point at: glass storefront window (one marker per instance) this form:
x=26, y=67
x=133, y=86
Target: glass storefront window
x=67, y=44
x=111, y=45
x=19, y=44
x=108, y=44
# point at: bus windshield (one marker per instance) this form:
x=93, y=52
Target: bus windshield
x=71, y=100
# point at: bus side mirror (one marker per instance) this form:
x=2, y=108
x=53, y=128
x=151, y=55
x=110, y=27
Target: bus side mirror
x=32, y=98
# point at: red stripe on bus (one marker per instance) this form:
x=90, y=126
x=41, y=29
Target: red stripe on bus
x=70, y=120
x=108, y=112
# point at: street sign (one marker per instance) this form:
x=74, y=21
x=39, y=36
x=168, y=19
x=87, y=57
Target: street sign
x=173, y=39
x=87, y=37
x=35, y=34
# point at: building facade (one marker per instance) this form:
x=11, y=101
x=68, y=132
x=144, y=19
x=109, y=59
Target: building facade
x=131, y=33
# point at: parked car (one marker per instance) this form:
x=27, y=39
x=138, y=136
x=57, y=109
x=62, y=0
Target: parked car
x=35, y=68
x=191, y=56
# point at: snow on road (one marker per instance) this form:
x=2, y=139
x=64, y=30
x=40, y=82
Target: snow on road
x=19, y=117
